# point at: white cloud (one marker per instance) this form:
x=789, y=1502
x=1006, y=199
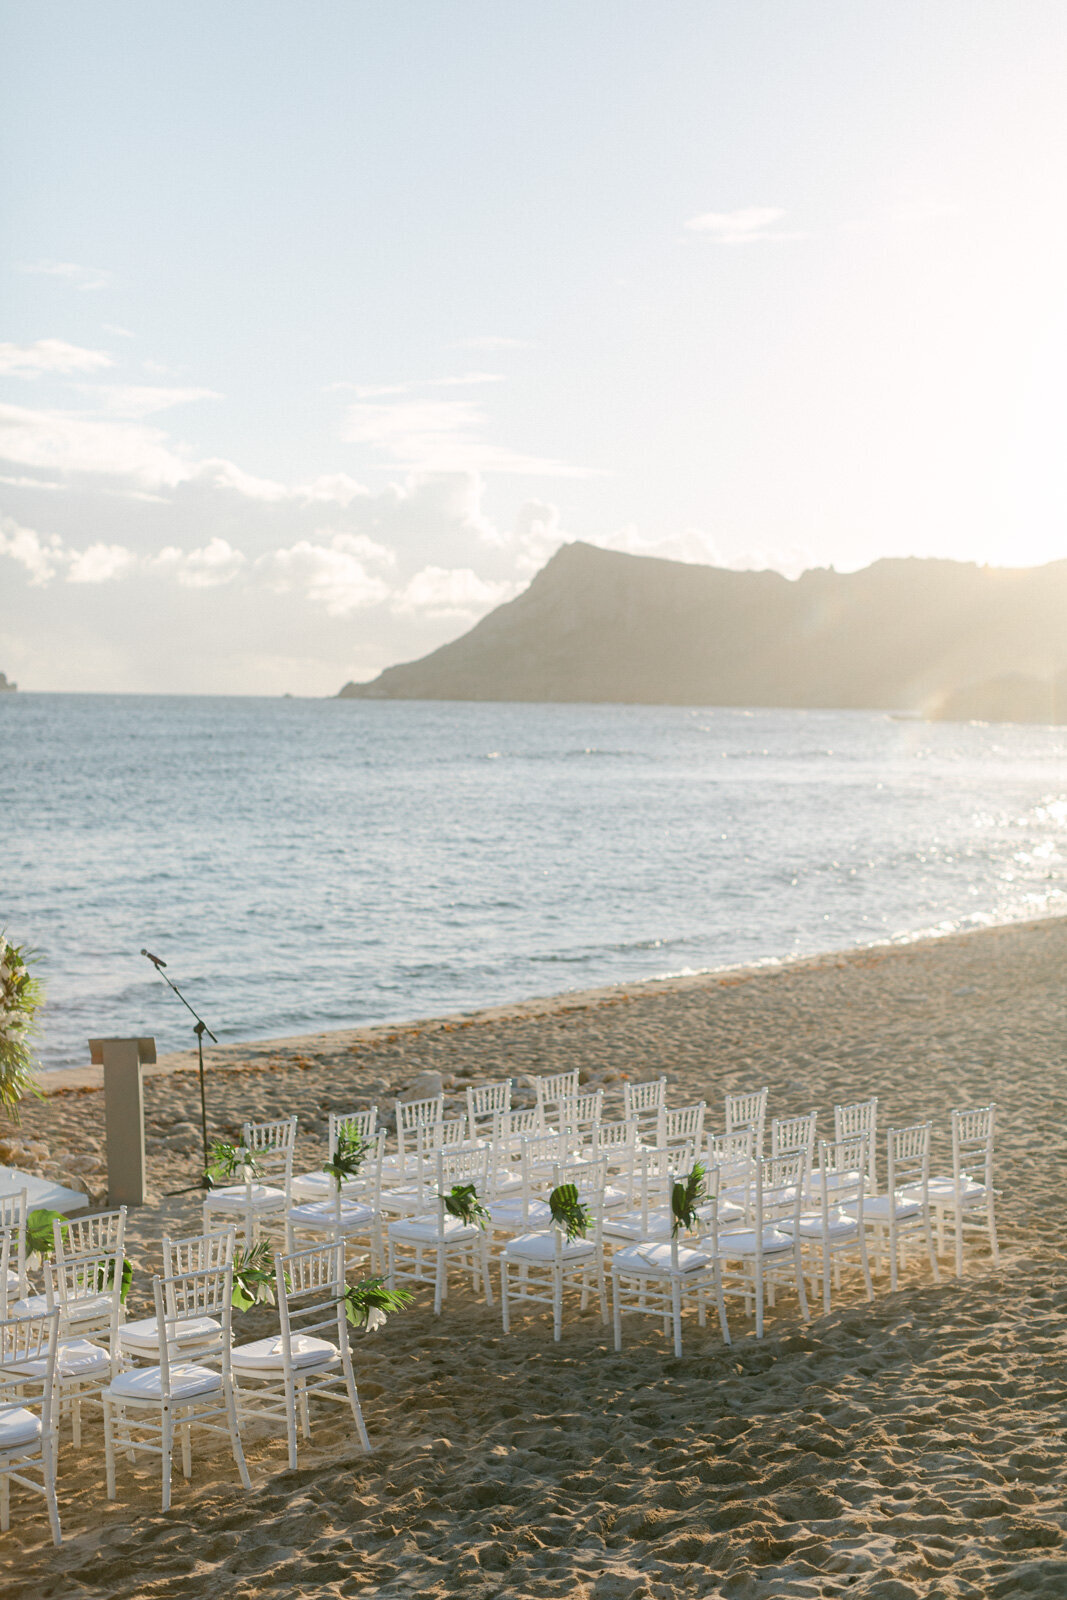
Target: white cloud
x=80, y=277
x=213, y=564
x=491, y=341
x=50, y=356
x=135, y=400
x=440, y=591
x=100, y=563
x=41, y=558
x=331, y=575
x=441, y=436
x=65, y=442
x=747, y=225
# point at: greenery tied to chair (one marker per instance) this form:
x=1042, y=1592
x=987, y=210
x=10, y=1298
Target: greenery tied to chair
x=568, y=1212
x=253, y=1277
x=685, y=1198
x=463, y=1203
x=368, y=1303
x=40, y=1241
x=227, y=1163
x=348, y=1157
x=21, y=997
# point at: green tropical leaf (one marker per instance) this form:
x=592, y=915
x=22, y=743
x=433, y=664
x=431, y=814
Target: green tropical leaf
x=463, y=1203
x=568, y=1212
x=368, y=1303
x=21, y=998
x=40, y=1240
x=227, y=1162
x=253, y=1277
x=685, y=1197
x=349, y=1156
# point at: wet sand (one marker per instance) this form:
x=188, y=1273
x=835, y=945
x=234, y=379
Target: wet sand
x=914, y=1447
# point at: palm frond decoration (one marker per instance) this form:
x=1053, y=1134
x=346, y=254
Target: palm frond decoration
x=349, y=1156
x=253, y=1277
x=369, y=1303
x=105, y=1278
x=21, y=998
x=568, y=1212
x=685, y=1197
x=40, y=1240
x=463, y=1203
x=227, y=1163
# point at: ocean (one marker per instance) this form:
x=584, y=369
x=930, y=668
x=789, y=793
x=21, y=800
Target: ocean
x=311, y=864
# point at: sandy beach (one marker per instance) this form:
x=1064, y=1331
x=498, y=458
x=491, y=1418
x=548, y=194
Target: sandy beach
x=913, y=1447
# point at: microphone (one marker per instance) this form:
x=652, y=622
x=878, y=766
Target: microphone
x=153, y=958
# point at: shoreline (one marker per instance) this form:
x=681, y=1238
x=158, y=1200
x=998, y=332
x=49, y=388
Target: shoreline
x=262, y=1054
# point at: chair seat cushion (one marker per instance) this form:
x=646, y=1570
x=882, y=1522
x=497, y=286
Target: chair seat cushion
x=879, y=1208
x=144, y=1335
x=942, y=1190
x=235, y=1197
x=542, y=1247
x=319, y=1186
x=505, y=1181
x=425, y=1230
x=78, y=1310
x=321, y=1214
x=509, y=1213
x=18, y=1428
x=838, y=1225
x=744, y=1242
x=648, y=1259
x=631, y=1225
x=186, y=1382
x=75, y=1358
x=265, y=1355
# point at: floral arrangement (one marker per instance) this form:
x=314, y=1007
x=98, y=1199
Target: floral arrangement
x=568, y=1213
x=227, y=1163
x=462, y=1202
x=21, y=996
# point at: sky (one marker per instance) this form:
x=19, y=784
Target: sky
x=324, y=325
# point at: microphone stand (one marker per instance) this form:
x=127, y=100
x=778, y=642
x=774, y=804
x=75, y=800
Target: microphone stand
x=200, y=1029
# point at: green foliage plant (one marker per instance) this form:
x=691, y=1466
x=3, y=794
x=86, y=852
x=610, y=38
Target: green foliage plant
x=568, y=1212
x=685, y=1198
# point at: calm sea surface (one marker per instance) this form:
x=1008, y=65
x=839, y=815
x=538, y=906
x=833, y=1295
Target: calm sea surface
x=310, y=864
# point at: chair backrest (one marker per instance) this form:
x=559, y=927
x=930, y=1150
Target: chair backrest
x=201, y=1252
x=579, y=1113
x=972, y=1142
x=87, y=1293
x=414, y=1114
x=779, y=1190
x=30, y=1342
x=485, y=1101
x=539, y=1155
x=708, y=1221
x=734, y=1154
x=311, y=1288
x=617, y=1143
x=103, y=1232
x=790, y=1134
x=461, y=1167
x=556, y=1086
x=187, y=1295
x=653, y=1175
x=908, y=1159
x=861, y=1118
x=589, y=1178
x=511, y=1126
x=271, y=1145
x=843, y=1176
x=363, y=1123
x=748, y=1109
x=681, y=1125
x=644, y=1100
x=14, y=1210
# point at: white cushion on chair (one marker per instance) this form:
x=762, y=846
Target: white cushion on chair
x=322, y=1214
x=75, y=1358
x=424, y=1230
x=234, y=1197
x=186, y=1381
x=839, y=1225
x=144, y=1335
x=506, y=1212
x=18, y=1427
x=36, y=1305
x=943, y=1191
x=319, y=1186
x=542, y=1247
x=644, y=1259
x=877, y=1208
x=266, y=1354
x=743, y=1243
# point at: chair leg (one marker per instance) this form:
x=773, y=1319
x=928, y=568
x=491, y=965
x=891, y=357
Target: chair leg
x=616, y=1311
x=440, y=1282
x=353, y=1400
x=305, y=1416
x=484, y=1248
x=5, y=1502
x=676, y=1314
x=505, y=1310
x=802, y=1293
x=959, y=1241
x=290, y=1423
x=557, y=1304
x=235, y=1435
x=109, y=1449
x=759, y=1300
x=187, y=1450
x=865, y=1264
x=994, y=1247
x=49, y=1462
x=168, y=1445
x=930, y=1251
x=720, y=1302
